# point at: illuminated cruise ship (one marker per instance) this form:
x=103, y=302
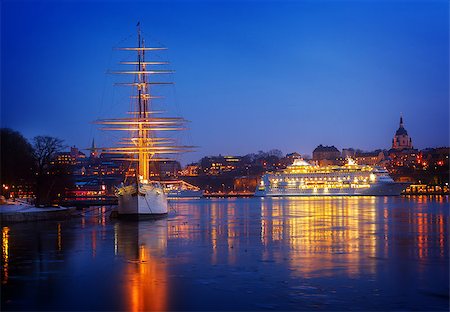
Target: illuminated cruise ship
x=304, y=179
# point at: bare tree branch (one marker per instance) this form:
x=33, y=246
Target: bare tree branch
x=45, y=149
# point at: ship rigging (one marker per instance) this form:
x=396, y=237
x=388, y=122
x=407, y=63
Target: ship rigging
x=145, y=142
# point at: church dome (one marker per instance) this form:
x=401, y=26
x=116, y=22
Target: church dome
x=401, y=131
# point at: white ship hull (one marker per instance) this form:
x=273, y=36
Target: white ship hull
x=378, y=189
x=147, y=201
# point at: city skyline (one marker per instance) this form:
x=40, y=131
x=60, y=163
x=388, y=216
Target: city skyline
x=286, y=76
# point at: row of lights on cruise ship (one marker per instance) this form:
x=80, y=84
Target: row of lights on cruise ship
x=371, y=177
x=314, y=179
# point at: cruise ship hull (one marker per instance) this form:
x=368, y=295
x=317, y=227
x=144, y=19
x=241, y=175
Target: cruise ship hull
x=147, y=201
x=378, y=189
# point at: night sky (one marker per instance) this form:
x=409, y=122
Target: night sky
x=249, y=75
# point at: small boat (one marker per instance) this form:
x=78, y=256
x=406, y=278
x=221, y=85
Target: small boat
x=181, y=189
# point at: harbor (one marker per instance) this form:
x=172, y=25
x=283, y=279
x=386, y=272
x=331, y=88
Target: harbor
x=370, y=253
x=225, y=156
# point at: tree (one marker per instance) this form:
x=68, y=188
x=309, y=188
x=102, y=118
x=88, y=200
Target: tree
x=45, y=150
x=275, y=152
x=16, y=162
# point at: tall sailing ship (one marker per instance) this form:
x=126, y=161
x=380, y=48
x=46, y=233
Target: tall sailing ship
x=140, y=196
x=304, y=179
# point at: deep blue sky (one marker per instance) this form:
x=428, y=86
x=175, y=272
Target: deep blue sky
x=249, y=75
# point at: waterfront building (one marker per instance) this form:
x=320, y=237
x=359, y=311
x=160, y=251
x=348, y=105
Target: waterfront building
x=377, y=157
x=401, y=138
x=403, y=158
x=190, y=170
x=434, y=157
x=289, y=159
x=245, y=184
x=369, y=158
x=348, y=152
x=103, y=165
x=322, y=153
x=165, y=169
x=73, y=157
x=293, y=156
x=217, y=165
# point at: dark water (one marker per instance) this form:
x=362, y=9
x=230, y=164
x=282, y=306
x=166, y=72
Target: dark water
x=361, y=253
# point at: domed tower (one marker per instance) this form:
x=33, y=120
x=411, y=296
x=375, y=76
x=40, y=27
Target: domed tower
x=401, y=139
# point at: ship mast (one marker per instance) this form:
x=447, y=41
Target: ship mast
x=144, y=144
x=143, y=165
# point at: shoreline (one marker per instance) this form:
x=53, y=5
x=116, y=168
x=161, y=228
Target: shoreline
x=22, y=212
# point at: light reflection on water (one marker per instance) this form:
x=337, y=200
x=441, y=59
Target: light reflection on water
x=326, y=253
x=5, y=254
x=146, y=280
x=330, y=227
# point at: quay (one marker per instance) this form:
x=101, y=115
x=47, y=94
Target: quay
x=91, y=201
x=230, y=194
x=424, y=189
x=17, y=211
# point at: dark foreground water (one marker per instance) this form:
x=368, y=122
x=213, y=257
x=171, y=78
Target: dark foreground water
x=361, y=253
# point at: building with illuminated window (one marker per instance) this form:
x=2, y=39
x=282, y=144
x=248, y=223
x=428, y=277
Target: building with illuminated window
x=326, y=153
x=190, y=170
x=74, y=157
x=217, y=165
x=165, y=169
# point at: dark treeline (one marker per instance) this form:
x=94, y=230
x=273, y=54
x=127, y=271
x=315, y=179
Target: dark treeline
x=26, y=167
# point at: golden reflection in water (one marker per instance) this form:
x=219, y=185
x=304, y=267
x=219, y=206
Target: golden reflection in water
x=277, y=226
x=103, y=223
x=441, y=235
x=232, y=234
x=145, y=286
x=116, y=239
x=94, y=242
x=430, y=226
x=213, y=222
x=185, y=228
x=5, y=253
x=103, y=214
x=422, y=234
x=59, y=238
x=385, y=231
x=226, y=227
x=320, y=230
x=222, y=229
x=83, y=220
x=264, y=223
